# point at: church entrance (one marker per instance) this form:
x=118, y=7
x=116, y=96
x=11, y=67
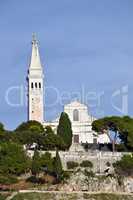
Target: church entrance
x=76, y=138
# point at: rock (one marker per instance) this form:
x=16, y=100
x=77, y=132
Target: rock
x=128, y=184
x=80, y=182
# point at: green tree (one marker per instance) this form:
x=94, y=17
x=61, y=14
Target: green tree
x=13, y=159
x=64, y=129
x=47, y=162
x=124, y=167
x=5, y=135
x=58, y=165
x=1, y=128
x=121, y=126
x=28, y=133
x=50, y=141
x=36, y=163
x=26, y=137
x=33, y=126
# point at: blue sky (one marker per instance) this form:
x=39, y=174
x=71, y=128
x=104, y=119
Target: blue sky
x=86, y=47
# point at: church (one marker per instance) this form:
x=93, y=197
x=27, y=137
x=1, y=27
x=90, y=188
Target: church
x=78, y=113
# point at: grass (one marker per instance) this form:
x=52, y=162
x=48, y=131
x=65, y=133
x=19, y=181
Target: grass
x=52, y=196
x=46, y=196
x=3, y=197
x=104, y=196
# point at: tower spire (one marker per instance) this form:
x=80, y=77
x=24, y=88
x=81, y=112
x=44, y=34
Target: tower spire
x=35, y=62
x=35, y=84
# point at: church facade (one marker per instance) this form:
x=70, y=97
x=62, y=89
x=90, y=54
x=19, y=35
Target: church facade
x=78, y=113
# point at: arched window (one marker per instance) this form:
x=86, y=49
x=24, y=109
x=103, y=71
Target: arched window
x=40, y=85
x=35, y=85
x=75, y=115
x=32, y=85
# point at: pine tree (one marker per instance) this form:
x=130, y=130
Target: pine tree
x=58, y=165
x=36, y=163
x=64, y=129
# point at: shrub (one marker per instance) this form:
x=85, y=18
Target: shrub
x=13, y=159
x=72, y=164
x=86, y=163
x=124, y=167
x=8, y=179
x=121, y=147
x=57, y=165
x=66, y=175
x=89, y=173
x=108, y=164
x=33, y=179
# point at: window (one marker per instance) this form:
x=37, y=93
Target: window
x=75, y=115
x=32, y=85
x=40, y=85
x=35, y=85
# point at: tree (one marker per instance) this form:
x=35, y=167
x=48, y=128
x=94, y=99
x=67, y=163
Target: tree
x=50, y=141
x=57, y=165
x=26, y=137
x=33, y=126
x=47, y=162
x=1, y=128
x=13, y=159
x=36, y=163
x=124, y=167
x=4, y=134
x=28, y=133
x=121, y=126
x=64, y=129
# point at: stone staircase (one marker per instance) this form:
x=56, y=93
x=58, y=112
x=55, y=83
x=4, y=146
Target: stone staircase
x=76, y=147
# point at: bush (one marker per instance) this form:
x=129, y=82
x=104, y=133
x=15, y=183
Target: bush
x=13, y=159
x=65, y=175
x=89, y=173
x=2, y=197
x=108, y=164
x=72, y=164
x=120, y=147
x=57, y=164
x=8, y=179
x=124, y=167
x=33, y=179
x=86, y=163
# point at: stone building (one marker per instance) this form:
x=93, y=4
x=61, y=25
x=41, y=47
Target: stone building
x=78, y=113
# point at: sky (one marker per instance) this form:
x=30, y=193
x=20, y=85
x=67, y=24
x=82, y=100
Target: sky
x=86, y=49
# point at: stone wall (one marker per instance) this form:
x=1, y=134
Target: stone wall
x=99, y=159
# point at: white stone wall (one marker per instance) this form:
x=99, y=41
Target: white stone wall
x=99, y=159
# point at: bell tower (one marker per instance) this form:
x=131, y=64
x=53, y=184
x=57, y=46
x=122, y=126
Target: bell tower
x=35, y=84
